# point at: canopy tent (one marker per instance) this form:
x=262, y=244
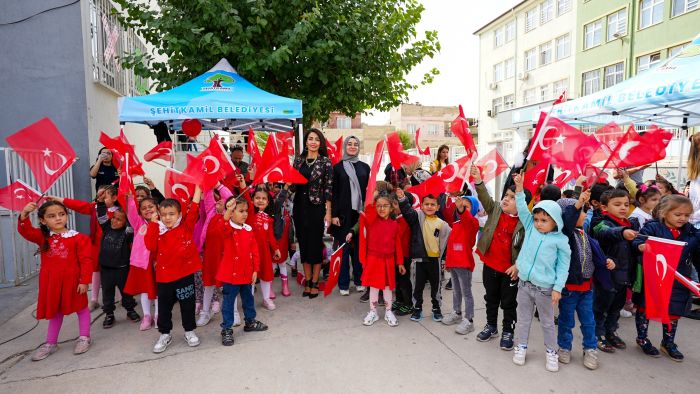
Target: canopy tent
x=220, y=99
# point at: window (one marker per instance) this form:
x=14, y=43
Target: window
x=498, y=72
x=563, y=47
x=510, y=67
x=679, y=7
x=411, y=128
x=497, y=106
x=529, y=96
x=545, y=53
x=617, y=24
x=510, y=31
x=651, y=12
x=560, y=87
x=343, y=122
x=546, y=11
x=499, y=37
x=591, y=82
x=673, y=51
x=434, y=129
x=531, y=20
x=531, y=59
x=647, y=61
x=563, y=6
x=509, y=101
x=614, y=74
x=593, y=34
x=545, y=93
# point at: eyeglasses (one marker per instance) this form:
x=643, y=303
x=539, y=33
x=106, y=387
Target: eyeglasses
x=383, y=206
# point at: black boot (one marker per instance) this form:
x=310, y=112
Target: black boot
x=668, y=344
x=642, y=323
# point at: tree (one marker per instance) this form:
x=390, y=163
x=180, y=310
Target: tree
x=406, y=140
x=335, y=55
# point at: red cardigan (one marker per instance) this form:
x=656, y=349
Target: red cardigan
x=176, y=255
x=241, y=255
x=460, y=244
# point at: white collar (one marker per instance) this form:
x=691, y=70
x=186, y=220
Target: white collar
x=239, y=227
x=162, y=228
x=67, y=234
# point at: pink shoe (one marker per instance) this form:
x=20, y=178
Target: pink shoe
x=215, y=307
x=146, y=323
x=272, y=293
x=285, y=286
x=269, y=305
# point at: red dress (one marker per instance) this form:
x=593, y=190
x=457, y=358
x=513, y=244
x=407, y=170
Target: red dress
x=213, y=250
x=66, y=264
x=380, y=250
x=262, y=225
x=283, y=242
x=88, y=208
x=142, y=280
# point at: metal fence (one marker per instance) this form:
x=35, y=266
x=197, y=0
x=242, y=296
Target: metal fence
x=18, y=262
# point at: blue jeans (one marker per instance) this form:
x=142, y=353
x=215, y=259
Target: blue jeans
x=580, y=302
x=230, y=292
x=349, y=252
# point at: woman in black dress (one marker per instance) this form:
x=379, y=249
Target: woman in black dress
x=312, y=206
x=104, y=171
x=350, y=178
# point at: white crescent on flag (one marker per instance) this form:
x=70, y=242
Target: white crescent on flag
x=180, y=186
x=544, y=135
x=488, y=169
x=49, y=170
x=275, y=170
x=214, y=160
x=626, y=147
x=661, y=260
x=455, y=172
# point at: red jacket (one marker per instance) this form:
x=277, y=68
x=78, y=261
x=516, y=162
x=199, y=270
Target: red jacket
x=241, y=256
x=175, y=250
x=460, y=244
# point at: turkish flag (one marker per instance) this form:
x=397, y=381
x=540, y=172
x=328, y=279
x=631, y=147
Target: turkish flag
x=660, y=260
x=17, y=195
x=562, y=98
x=491, y=165
x=460, y=128
x=569, y=146
x=396, y=152
x=278, y=171
x=279, y=144
x=253, y=149
x=592, y=174
x=565, y=177
x=609, y=136
x=637, y=150
x=211, y=166
x=45, y=151
x=449, y=179
x=536, y=176
x=162, y=151
x=374, y=171
x=433, y=185
x=335, y=151
x=334, y=271
x=425, y=151
x=179, y=185
x=123, y=151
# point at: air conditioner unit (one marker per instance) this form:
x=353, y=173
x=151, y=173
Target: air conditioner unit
x=493, y=86
x=523, y=76
x=489, y=113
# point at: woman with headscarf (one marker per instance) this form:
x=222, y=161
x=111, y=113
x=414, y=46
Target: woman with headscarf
x=350, y=178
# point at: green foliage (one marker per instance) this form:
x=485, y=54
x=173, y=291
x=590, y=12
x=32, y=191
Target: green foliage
x=335, y=55
x=406, y=139
x=220, y=78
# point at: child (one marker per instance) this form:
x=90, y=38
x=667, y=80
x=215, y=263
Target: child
x=647, y=198
x=283, y=230
x=498, y=247
x=428, y=242
x=115, y=252
x=262, y=225
x=239, y=267
x=404, y=298
x=66, y=266
x=141, y=280
x=543, y=267
x=460, y=262
x=171, y=240
x=614, y=232
x=380, y=252
x=587, y=261
x=671, y=222
x=597, y=191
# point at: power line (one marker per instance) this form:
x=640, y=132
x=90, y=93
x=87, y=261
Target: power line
x=39, y=13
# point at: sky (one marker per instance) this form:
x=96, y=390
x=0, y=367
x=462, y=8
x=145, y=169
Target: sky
x=458, y=60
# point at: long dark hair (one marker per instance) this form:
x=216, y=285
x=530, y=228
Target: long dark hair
x=322, y=149
x=45, y=229
x=437, y=156
x=108, y=150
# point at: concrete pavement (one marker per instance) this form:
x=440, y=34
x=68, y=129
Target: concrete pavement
x=321, y=346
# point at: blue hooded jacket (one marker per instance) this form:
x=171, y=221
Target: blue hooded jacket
x=544, y=258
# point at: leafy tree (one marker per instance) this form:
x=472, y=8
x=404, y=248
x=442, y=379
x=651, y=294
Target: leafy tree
x=335, y=55
x=406, y=139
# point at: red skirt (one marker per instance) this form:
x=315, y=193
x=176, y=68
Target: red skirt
x=141, y=280
x=58, y=293
x=283, y=245
x=379, y=272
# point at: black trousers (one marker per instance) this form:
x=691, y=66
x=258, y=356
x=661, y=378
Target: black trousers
x=403, y=284
x=501, y=292
x=607, y=305
x=182, y=292
x=110, y=279
x=426, y=271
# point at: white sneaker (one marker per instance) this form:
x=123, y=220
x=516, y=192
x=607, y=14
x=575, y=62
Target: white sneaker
x=391, y=318
x=519, y=354
x=625, y=313
x=371, y=318
x=451, y=318
x=203, y=319
x=191, y=338
x=464, y=328
x=552, y=364
x=162, y=343
x=360, y=289
x=269, y=305
x=344, y=292
x=236, y=319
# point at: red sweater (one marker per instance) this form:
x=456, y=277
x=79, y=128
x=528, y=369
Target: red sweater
x=175, y=251
x=241, y=256
x=498, y=257
x=460, y=244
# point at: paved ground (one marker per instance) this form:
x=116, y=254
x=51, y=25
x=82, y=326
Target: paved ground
x=321, y=346
x=14, y=299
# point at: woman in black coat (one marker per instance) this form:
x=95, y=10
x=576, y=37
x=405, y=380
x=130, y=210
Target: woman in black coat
x=350, y=178
x=312, y=206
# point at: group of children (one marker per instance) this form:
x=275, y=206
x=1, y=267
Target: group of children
x=557, y=253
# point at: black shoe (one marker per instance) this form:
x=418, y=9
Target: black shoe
x=616, y=341
x=365, y=296
x=133, y=316
x=605, y=346
x=507, y=341
x=306, y=284
x=648, y=348
x=314, y=285
x=417, y=315
x=109, y=321
x=437, y=315
x=395, y=306
x=254, y=326
x=487, y=333
x=227, y=337
x=448, y=286
x=404, y=310
x=672, y=351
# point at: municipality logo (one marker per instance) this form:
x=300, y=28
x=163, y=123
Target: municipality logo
x=218, y=82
